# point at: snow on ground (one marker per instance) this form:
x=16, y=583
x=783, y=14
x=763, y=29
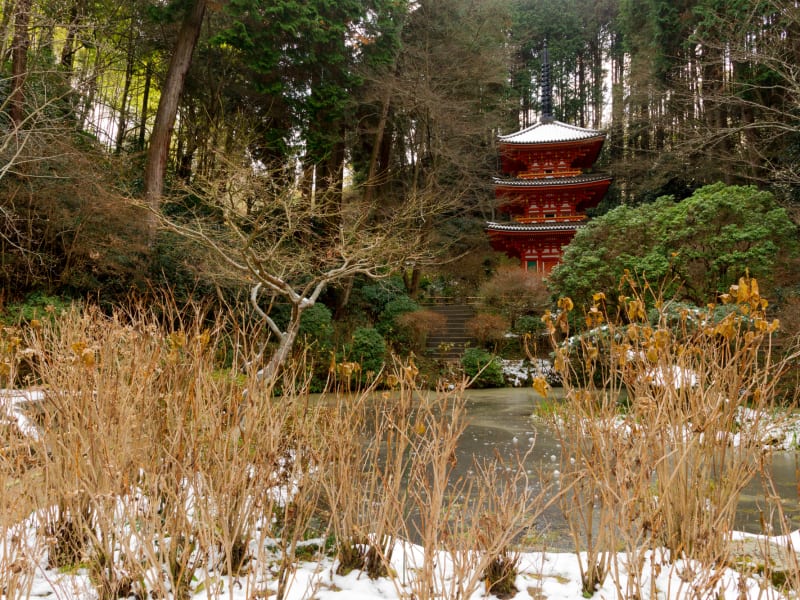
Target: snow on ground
x=11, y=404
x=541, y=576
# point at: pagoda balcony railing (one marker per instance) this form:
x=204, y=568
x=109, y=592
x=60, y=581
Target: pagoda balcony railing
x=553, y=173
x=558, y=219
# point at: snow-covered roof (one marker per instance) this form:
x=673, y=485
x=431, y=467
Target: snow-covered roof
x=548, y=181
x=525, y=227
x=550, y=131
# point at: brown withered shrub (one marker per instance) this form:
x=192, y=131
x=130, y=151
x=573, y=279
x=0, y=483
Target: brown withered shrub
x=513, y=292
x=487, y=329
x=662, y=428
x=160, y=471
x=418, y=325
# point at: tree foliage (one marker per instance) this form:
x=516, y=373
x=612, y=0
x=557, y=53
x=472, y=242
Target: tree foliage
x=699, y=246
x=380, y=107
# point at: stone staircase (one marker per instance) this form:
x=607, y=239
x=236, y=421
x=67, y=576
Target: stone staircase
x=450, y=343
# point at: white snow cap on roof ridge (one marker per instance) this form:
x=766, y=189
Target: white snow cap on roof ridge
x=553, y=131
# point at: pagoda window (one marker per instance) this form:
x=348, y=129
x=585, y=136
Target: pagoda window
x=531, y=265
x=549, y=215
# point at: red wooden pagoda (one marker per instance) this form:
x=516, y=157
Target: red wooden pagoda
x=544, y=188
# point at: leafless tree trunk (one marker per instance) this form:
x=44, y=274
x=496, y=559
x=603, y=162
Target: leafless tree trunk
x=148, y=78
x=126, y=89
x=286, y=338
x=179, y=64
x=19, y=61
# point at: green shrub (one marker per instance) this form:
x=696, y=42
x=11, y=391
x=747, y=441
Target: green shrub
x=484, y=367
x=388, y=324
x=368, y=349
x=316, y=325
x=316, y=338
x=528, y=324
x=35, y=306
x=377, y=294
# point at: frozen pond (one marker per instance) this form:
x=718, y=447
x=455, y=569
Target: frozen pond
x=500, y=419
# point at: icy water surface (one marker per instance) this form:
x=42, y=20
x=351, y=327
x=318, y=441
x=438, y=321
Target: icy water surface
x=500, y=420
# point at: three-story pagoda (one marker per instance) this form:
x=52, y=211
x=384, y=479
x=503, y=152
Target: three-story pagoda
x=544, y=186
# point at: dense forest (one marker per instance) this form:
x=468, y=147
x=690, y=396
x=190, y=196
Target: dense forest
x=296, y=146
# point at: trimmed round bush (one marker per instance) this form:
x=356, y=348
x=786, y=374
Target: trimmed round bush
x=478, y=362
x=487, y=328
x=368, y=349
x=389, y=324
x=417, y=326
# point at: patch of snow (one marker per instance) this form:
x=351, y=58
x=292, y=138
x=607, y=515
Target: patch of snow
x=521, y=372
x=545, y=575
x=673, y=376
x=11, y=409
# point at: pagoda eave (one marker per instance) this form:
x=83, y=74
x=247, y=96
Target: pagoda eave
x=517, y=184
x=570, y=154
x=515, y=195
x=526, y=230
x=550, y=131
x=527, y=241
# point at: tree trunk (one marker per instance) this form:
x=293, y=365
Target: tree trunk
x=179, y=64
x=377, y=145
x=285, y=346
x=126, y=90
x=5, y=20
x=19, y=61
x=68, y=50
x=148, y=79
x=90, y=92
x=411, y=280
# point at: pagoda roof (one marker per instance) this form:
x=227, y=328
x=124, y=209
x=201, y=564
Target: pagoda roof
x=532, y=227
x=552, y=180
x=549, y=132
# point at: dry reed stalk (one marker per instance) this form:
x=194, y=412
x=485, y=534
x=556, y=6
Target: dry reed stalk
x=779, y=562
x=467, y=526
x=668, y=464
x=500, y=508
x=17, y=559
x=106, y=382
x=366, y=473
x=347, y=483
x=590, y=516
x=153, y=473
x=434, y=433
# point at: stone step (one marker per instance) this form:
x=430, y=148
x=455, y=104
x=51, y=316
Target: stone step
x=454, y=336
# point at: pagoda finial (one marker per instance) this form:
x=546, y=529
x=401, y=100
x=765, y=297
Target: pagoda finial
x=547, y=92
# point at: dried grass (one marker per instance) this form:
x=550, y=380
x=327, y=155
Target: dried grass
x=158, y=472
x=662, y=429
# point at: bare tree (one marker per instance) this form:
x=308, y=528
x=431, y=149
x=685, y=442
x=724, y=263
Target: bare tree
x=751, y=65
x=271, y=239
